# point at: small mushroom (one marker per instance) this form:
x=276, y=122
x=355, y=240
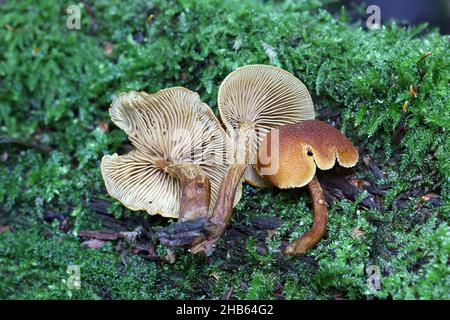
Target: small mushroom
x=252, y=100
x=180, y=158
x=301, y=147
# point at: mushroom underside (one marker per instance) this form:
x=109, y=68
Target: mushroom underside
x=180, y=156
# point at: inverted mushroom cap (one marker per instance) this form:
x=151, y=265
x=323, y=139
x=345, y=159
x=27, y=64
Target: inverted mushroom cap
x=170, y=127
x=265, y=97
x=302, y=147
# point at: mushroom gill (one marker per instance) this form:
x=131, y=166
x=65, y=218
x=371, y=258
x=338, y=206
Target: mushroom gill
x=181, y=152
x=255, y=99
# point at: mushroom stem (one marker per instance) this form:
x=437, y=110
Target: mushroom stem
x=223, y=208
x=196, y=190
x=224, y=204
x=302, y=244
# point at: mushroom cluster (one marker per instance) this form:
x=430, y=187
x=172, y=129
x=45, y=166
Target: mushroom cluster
x=186, y=166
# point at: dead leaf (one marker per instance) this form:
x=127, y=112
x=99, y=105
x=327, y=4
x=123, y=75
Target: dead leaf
x=150, y=18
x=103, y=126
x=356, y=233
x=270, y=234
x=429, y=196
x=4, y=156
x=359, y=183
x=4, y=229
x=432, y=198
x=413, y=91
x=426, y=55
x=108, y=48
x=278, y=291
x=215, y=275
x=170, y=256
x=405, y=106
x=93, y=243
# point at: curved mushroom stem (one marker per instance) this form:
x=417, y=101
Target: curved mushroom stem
x=312, y=237
x=222, y=210
x=224, y=204
x=196, y=192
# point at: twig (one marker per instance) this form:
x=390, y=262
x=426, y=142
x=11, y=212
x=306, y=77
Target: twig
x=27, y=144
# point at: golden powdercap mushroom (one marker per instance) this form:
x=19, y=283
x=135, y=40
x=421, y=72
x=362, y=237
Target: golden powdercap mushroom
x=256, y=99
x=302, y=147
x=170, y=130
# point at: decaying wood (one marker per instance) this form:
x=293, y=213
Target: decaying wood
x=185, y=233
x=101, y=208
x=201, y=234
x=99, y=235
x=235, y=239
x=130, y=236
x=93, y=243
x=373, y=167
x=337, y=187
x=266, y=223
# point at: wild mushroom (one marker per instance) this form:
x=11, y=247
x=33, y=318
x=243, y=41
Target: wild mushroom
x=301, y=147
x=252, y=100
x=255, y=99
x=180, y=158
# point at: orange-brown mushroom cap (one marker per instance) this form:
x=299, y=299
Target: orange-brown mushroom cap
x=301, y=147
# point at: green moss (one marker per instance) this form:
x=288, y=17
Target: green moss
x=56, y=86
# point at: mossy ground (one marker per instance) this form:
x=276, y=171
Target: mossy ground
x=56, y=86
